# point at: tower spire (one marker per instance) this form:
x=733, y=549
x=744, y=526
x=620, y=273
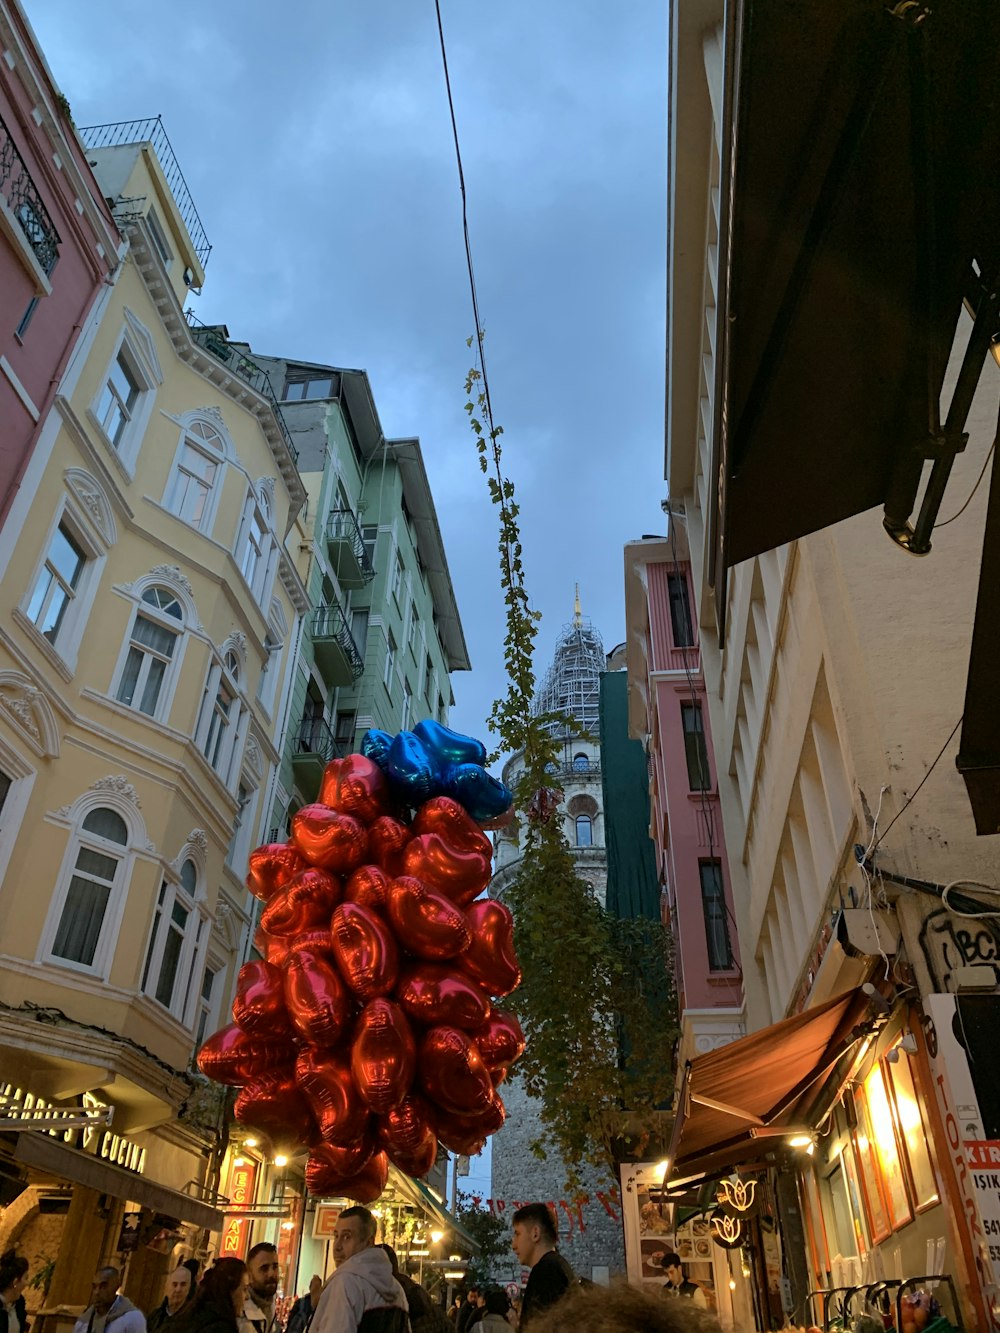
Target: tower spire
x=577, y=613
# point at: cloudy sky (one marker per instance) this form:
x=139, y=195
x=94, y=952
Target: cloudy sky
x=316, y=143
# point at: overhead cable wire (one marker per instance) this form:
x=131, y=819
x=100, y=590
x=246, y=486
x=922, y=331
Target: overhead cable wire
x=910, y=799
x=475, y=300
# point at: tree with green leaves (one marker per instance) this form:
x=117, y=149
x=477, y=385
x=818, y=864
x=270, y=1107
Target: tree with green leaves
x=491, y=1233
x=596, y=1003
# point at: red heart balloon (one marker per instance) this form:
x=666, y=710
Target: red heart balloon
x=365, y=1187
x=342, y=1163
x=498, y=1075
x=426, y=922
x=406, y=1132
x=419, y=1162
x=500, y=1039
x=329, y=840
x=231, y=1056
x=307, y=900
x=452, y=1073
x=269, y=868
x=259, y=1006
x=355, y=786
x=274, y=1105
x=319, y=1004
x=435, y=995
x=317, y=940
x=368, y=886
x=460, y=876
x=273, y=949
x=490, y=958
x=387, y=839
x=383, y=1055
x=453, y=822
x=468, y=1129
x=326, y=1080
x=365, y=950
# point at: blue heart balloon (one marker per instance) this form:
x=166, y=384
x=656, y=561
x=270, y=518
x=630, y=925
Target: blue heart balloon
x=447, y=746
x=375, y=746
x=482, y=795
x=415, y=773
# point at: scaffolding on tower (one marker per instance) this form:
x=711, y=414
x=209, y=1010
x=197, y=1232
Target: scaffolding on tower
x=572, y=684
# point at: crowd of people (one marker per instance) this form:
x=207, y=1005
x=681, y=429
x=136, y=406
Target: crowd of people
x=367, y=1293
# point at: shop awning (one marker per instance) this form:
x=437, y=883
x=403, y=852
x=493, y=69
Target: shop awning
x=43, y=1153
x=760, y=1087
x=419, y=1194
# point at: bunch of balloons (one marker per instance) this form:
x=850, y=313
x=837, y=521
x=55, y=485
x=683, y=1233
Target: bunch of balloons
x=368, y=1031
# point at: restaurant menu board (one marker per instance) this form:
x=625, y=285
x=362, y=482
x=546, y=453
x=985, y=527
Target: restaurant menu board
x=650, y=1235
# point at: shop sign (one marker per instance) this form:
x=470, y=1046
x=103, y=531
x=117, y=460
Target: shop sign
x=93, y=1139
x=242, y=1180
x=325, y=1221
x=975, y=1159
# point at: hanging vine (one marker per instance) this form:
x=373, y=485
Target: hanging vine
x=596, y=1002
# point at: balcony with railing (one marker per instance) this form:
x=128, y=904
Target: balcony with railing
x=314, y=747
x=345, y=546
x=24, y=209
x=151, y=131
x=211, y=338
x=334, y=648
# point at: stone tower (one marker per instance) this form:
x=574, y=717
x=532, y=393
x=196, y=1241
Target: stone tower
x=590, y=1236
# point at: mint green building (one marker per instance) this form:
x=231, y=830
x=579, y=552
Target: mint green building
x=378, y=646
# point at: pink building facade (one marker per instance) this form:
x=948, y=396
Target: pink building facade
x=58, y=244
x=668, y=712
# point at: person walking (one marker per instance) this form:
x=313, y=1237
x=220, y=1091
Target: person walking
x=176, y=1295
x=108, y=1308
x=13, y=1312
x=263, y=1271
x=217, y=1305
x=534, y=1243
x=362, y=1296
x=678, y=1285
x=305, y=1307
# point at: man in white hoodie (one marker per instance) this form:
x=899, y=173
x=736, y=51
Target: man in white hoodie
x=362, y=1296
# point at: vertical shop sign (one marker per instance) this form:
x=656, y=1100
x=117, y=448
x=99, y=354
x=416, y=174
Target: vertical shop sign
x=242, y=1180
x=974, y=1156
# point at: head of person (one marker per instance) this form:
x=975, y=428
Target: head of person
x=472, y=1296
x=534, y=1233
x=671, y=1264
x=315, y=1288
x=13, y=1271
x=104, y=1289
x=355, y=1231
x=193, y=1266
x=178, y=1288
x=622, y=1309
x=497, y=1301
x=264, y=1270
x=224, y=1287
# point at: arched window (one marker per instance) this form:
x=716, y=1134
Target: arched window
x=581, y=762
x=196, y=476
x=151, y=652
x=584, y=831
x=177, y=936
x=97, y=874
x=256, y=549
x=223, y=718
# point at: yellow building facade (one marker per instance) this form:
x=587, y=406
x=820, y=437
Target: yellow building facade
x=150, y=618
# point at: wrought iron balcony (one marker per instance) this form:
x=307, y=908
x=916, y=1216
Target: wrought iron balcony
x=19, y=193
x=151, y=131
x=346, y=548
x=337, y=655
x=314, y=747
x=211, y=338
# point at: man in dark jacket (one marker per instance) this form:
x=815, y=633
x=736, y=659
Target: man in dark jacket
x=468, y=1311
x=534, y=1243
x=177, y=1292
x=678, y=1285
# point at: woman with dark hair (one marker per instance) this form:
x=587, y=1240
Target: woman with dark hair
x=13, y=1314
x=218, y=1303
